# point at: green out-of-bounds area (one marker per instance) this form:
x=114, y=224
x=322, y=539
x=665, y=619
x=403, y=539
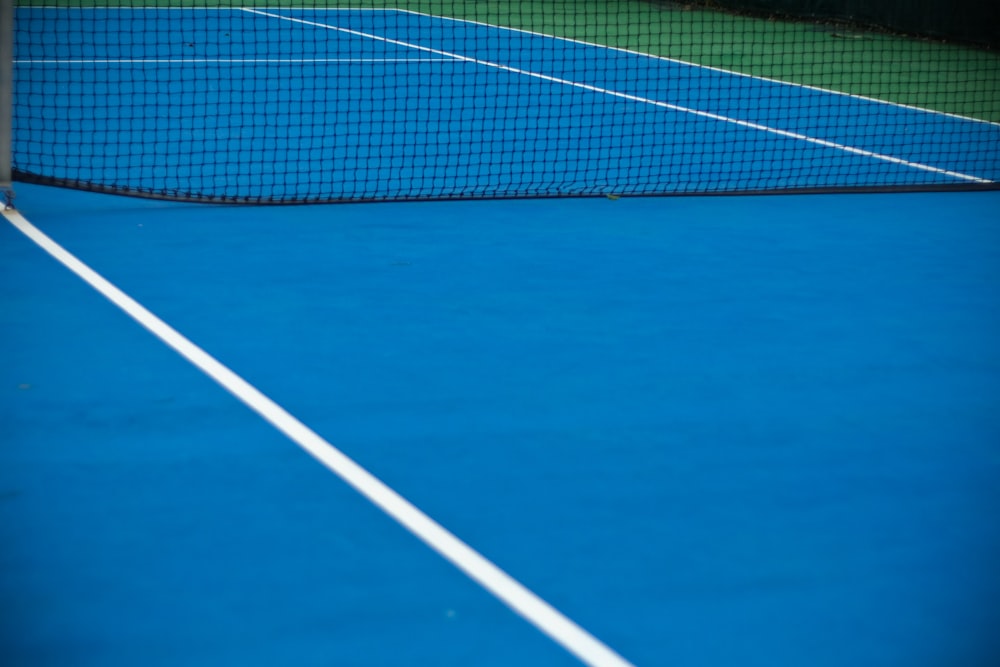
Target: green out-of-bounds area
x=923, y=73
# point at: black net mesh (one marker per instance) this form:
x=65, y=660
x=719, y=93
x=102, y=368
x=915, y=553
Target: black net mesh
x=323, y=101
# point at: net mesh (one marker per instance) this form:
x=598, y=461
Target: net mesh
x=325, y=101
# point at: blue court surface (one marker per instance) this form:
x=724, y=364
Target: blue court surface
x=260, y=88
x=744, y=431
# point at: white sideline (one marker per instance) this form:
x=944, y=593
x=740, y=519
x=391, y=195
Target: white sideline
x=532, y=608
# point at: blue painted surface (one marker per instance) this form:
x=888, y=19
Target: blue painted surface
x=445, y=128
x=748, y=431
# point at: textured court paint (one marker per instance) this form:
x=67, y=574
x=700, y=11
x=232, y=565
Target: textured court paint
x=535, y=610
x=766, y=419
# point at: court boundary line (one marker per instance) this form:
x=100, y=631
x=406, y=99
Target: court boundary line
x=573, y=40
x=477, y=567
x=636, y=98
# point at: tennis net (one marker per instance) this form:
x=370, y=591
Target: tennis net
x=312, y=101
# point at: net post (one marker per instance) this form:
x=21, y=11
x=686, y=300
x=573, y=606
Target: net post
x=6, y=99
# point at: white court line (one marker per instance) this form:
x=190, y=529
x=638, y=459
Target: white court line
x=643, y=100
x=227, y=61
x=504, y=587
x=720, y=70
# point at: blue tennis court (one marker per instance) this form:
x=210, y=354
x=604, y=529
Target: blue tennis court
x=518, y=426
x=710, y=431
x=601, y=121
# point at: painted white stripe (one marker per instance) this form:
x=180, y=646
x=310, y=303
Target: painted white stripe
x=642, y=100
x=225, y=61
x=720, y=70
x=508, y=590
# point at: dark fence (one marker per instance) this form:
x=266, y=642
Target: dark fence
x=967, y=21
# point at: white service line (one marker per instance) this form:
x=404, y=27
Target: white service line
x=635, y=98
x=508, y=590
